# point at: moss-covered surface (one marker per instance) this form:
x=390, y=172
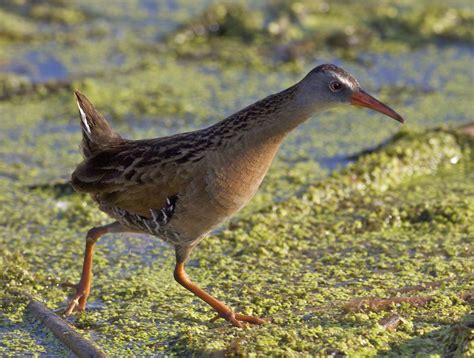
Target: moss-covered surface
x=327, y=256
x=286, y=31
x=395, y=219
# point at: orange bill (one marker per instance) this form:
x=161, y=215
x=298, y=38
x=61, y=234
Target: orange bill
x=363, y=99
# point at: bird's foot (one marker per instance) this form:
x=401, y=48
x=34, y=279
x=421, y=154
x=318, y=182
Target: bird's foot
x=78, y=302
x=238, y=320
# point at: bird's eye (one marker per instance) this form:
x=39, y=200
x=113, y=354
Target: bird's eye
x=335, y=86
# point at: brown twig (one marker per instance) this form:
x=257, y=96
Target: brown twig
x=467, y=128
x=64, y=331
x=390, y=322
x=467, y=296
x=416, y=288
x=382, y=304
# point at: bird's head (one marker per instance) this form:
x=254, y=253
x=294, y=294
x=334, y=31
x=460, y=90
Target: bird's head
x=328, y=85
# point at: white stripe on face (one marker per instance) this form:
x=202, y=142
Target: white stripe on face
x=345, y=81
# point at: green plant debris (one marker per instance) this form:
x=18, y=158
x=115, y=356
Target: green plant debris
x=295, y=29
x=299, y=262
x=392, y=230
x=15, y=28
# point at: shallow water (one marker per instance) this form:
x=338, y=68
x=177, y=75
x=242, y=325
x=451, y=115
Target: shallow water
x=307, y=252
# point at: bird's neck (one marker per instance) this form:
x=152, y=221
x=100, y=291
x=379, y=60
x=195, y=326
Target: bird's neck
x=268, y=120
x=246, y=142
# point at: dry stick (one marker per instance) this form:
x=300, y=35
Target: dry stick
x=390, y=322
x=382, y=304
x=64, y=331
x=422, y=287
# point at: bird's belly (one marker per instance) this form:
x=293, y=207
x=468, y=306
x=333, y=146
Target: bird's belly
x=205, y=211
x=220, y=194
x=232, y=190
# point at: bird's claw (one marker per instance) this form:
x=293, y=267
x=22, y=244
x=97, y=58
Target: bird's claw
x=238, y=320
x=77, y=304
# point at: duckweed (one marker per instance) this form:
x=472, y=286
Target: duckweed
x=352, y=211
x=298, y=262
x=292, y=30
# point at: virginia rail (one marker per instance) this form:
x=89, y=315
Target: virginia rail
x=179, y=188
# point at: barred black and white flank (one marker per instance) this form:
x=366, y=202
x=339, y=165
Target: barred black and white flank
x=152, y=225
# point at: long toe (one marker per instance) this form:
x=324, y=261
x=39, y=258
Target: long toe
x=238, y=320
x=72, y=307
x=251, y=319
x=77, y=304
x=235, y=322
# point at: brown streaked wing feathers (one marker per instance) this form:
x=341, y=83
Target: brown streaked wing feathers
x=133, y=175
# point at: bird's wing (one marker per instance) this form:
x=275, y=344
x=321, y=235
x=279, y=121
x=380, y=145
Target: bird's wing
x=136, y=175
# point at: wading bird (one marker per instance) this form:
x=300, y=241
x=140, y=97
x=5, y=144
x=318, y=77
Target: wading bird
x=179, y=188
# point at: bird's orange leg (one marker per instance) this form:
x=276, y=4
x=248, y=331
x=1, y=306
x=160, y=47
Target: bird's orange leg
x=223, y=311
x=78, y=303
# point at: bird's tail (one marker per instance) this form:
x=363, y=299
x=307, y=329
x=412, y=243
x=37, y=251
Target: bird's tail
x=96, y=131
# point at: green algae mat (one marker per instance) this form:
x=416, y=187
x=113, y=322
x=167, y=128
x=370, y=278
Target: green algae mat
x=390, y=236
x=360, y=241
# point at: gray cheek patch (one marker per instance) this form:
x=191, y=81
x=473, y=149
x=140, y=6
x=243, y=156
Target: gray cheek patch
x=152, y=225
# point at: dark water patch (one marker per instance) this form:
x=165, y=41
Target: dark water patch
x=12, y=158
x=336, y=162
x=59, y=187
x=39, y=67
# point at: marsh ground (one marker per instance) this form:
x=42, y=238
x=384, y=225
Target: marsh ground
x=318, y=236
